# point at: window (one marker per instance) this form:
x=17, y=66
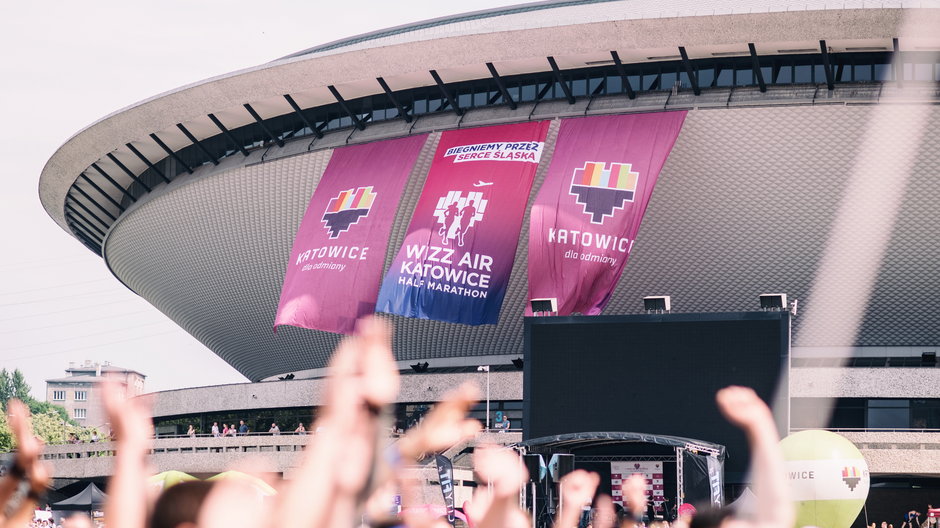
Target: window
x=81, y=395
x=58, y=395
x=80, y=414
x=889, y=414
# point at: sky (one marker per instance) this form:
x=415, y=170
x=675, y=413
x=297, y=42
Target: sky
x=64, y=66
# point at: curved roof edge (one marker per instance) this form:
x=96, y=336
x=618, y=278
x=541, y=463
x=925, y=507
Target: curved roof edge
x=441, y=21
x=449, y=55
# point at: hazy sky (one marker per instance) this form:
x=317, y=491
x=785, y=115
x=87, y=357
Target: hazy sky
x=67, y=64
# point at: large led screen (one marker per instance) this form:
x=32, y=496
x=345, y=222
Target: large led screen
x=655, y=373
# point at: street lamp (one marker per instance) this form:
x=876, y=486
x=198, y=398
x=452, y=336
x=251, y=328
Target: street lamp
x=486, y=368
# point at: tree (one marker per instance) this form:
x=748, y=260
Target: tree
x=13, y=385
x=6, y=435
x=6, y=391
x=50, y=428
x=41, y=407
x=20, y=389
x=51, y=422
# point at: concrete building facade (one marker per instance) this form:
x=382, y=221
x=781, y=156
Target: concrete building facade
x=80, y=391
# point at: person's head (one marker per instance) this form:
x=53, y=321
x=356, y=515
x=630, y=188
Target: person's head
x=241, y=422
x=215, y=423
x=179, y=505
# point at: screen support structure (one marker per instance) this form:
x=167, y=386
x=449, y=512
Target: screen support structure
x=680, y=485
x=698, y=450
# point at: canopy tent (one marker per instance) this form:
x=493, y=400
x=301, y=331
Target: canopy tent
x=699, y=464
x=567, y=443
x=168, y=479
x=89, y=499
x=746, y=504
x=257, y=483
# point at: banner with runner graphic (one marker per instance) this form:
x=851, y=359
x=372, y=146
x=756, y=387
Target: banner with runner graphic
x=588, y=211
x=336, y=263
x=455, y=261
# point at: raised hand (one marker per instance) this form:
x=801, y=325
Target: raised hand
x=28, y=447
x=579, y=488
x=604, y=514
x=500, y=467
x=26, y=466
x=130, y=420
x=634, y=492
x=505, y=473
x=132, y=428
x=742, y=407
x=379, y=372
x=340, y=462
x=445, y=425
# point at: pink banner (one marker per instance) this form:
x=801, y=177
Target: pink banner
x=336, y=263
x=588, y=211
x=455, y=261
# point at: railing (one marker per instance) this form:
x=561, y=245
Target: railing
x=258, y=443
x=866, y=429
x=242, y=435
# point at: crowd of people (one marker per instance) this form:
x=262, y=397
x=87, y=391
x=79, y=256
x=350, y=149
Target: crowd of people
x=349, y=475
x=913, y=519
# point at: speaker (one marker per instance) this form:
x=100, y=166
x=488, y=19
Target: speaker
x=560, y=465
x=534, y=465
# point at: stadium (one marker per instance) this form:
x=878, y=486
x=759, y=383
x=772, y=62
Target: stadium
x=193, y=197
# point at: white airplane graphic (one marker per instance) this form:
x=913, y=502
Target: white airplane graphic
x=482, y=183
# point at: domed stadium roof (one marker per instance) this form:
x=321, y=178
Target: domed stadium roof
x=193, y=197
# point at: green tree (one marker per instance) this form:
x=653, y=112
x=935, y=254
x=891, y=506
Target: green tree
x=50, y=427
x=6, y=391
x=20, y=389
x=51, y=422
x=6, y=435
x=41, y=407
x=13, y=385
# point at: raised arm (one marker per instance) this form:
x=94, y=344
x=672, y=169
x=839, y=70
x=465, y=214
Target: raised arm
x=578, y=489
x=743, y=408
x=132, y=427
x=26, y=466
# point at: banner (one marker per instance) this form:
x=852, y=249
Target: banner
x=455, y=261
x=588, y=211
x=651, y=471
x=716, y=481
x=336, y=263
x=445, y=475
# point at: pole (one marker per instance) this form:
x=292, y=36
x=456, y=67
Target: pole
x=532, y=503
x=486, y=368
x=487, y=397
